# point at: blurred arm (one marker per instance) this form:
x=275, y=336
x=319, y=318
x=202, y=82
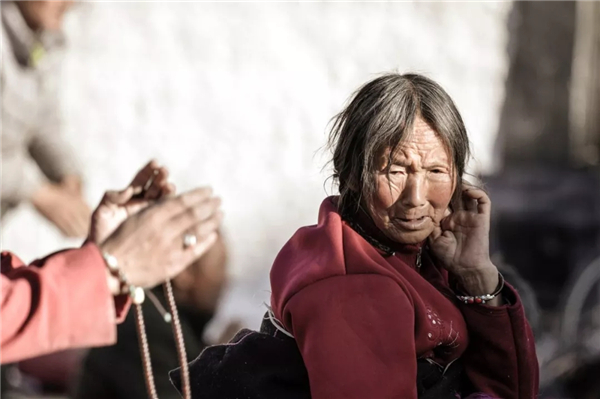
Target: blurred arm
x=47, y=145
x=21, y=179
x=21, y=176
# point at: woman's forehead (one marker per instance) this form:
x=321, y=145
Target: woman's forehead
x=424, y=145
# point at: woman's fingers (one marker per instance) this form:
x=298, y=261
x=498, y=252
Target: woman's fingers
x=195, y=215
x=151, y=245
x=182, y=203
x=118, y=197
x=168, y=190
x=207, y=226
x=192, y=253
x=478, y=197
x=136, y=205
x=448, y=223
x=437, y=231
x=156, y=184
x=206, y=221
x=469, y=204
x=143, y=176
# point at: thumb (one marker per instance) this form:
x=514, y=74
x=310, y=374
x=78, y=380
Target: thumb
x=118, y=197
x=435, y=234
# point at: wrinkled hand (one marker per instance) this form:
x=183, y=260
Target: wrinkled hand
x=65, y=209
x=149, y=244
x=461, y=242
x=148, y=185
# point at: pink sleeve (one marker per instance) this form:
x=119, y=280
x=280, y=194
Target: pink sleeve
x=56, y=303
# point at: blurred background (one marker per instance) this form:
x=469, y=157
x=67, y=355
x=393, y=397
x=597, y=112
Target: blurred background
x=239, y=96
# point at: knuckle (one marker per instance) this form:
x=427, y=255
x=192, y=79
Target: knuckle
x=155, y=217
x=205, y=210
x=202, y=247
x=197, y=212
x=181, y=201
x=203, y=229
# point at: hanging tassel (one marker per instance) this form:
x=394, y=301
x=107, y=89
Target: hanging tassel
x=145, y=350
x=179, y=342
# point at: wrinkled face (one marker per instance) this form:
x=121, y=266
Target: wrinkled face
x=44, y=15
x=415, y=196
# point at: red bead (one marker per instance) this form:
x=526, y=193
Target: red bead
x=478, y=300
x=470, y=300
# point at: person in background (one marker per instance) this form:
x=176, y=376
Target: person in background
x=74, y=298
x=116, y=372
x=37, y=165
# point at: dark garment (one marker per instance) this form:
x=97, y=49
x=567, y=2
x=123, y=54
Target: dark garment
x=116, y=372
x=268, y=365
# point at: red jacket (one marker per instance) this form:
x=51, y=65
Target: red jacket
x=56, y=303
x=361, y=320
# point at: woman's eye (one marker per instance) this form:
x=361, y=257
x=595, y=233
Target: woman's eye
x=437, y=171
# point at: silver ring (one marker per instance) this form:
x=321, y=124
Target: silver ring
x=189, y=240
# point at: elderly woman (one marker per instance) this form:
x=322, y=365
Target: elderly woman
x=396, y=276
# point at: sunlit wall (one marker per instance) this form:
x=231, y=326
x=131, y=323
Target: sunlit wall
x=239, y=96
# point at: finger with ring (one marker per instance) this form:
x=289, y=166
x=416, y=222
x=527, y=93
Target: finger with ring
x=189, y=240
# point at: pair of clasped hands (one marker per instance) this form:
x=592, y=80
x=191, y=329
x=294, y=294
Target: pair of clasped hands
x=144, y=227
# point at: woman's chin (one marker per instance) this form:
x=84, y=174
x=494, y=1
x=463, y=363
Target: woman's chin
x=411, y=236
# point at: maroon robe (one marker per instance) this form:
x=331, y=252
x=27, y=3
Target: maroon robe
x=361, y=319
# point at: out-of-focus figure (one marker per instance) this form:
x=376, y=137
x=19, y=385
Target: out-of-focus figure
x=116, y=372
x=37, y=165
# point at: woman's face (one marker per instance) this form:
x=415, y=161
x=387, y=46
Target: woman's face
x=415, y=196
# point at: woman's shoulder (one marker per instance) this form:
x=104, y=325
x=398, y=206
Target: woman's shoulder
x=313, y=253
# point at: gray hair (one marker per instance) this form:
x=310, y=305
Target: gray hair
x=380, y=115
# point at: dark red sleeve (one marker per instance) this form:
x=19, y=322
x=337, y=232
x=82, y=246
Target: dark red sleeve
x=59, y=302
x=500, y=359
x=356, y=335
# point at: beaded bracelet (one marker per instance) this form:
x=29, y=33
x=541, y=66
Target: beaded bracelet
x=136, y=294
x=480, y=299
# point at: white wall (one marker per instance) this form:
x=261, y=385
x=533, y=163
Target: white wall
x=239, y=96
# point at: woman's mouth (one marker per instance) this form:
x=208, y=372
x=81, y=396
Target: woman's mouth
x=411, y=223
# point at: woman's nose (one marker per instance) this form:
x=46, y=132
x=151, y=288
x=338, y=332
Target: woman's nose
x=413, y=195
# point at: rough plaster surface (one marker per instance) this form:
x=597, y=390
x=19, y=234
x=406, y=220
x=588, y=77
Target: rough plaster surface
x=239, y=96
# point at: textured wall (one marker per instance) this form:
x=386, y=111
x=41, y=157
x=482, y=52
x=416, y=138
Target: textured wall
x=239, y=96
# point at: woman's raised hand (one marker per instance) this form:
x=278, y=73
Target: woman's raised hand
x=461, y=242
